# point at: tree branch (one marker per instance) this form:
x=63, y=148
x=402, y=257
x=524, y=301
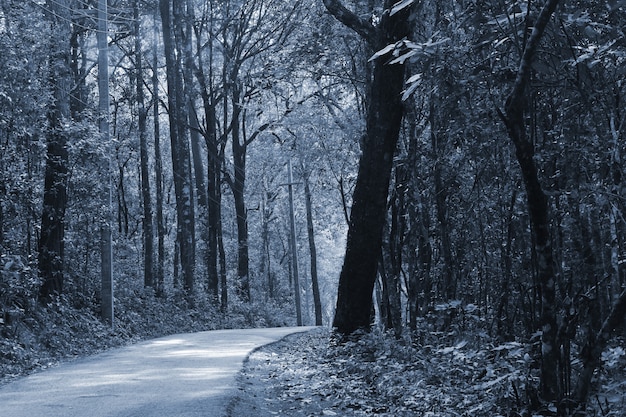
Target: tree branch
x=523, y=73
x=365, y=29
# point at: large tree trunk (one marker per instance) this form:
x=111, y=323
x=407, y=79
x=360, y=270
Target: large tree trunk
x=538, y=208
x=367, y=218
x=181, y=164
x=55, y=185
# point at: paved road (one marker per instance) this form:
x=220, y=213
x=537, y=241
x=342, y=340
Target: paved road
x=185, y=375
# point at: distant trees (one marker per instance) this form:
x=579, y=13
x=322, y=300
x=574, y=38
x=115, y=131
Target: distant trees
x=214, y=75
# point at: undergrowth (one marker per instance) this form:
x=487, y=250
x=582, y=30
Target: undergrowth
x=438, y=374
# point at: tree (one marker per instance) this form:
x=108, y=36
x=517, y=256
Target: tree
x=51, y=241
x=209, y=97
x=172, y=13
x=148, y=235
x=158, y=162
x=383, y=120
x=317, y=302
x=538, y=207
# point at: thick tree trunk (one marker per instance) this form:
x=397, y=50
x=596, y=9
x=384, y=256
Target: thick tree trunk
x=367, y=218
x=51, y=256
x=538, y=209
x=181, y=165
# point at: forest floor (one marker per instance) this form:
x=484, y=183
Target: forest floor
x=312, y=374
x=462, y=371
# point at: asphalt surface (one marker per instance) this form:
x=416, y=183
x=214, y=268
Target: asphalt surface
x=184, y=375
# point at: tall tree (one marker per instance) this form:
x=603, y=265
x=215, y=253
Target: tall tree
x=383, y=120
x=51, y=241
x=317, y=301
x=142, y=122
x=538, y=206
x=172, y=16
x=252, y=28
x=158, y=164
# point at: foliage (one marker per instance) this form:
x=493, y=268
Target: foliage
x=456, y=373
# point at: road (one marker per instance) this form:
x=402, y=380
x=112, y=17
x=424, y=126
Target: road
x=184, y=375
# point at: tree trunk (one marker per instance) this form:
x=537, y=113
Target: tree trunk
x=190, y=97
x=592, y=351
x=50, y=246
x=181, y=166
x=448, y=290
x=367, y=218
x=538, y=208
x=294, y=250
x=106, y=246
x=317, y=302
x=238, y=185
x=214, y=163
x=158, y=164
x=148, y=234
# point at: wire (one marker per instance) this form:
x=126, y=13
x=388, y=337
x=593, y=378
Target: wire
x=74, y=23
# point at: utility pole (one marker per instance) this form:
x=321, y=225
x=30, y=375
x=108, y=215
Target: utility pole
x=294, y=251
x=103, y=125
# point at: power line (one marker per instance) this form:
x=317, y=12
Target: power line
x=73, y=22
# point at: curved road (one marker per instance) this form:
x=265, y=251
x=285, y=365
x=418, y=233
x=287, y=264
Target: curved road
x=183, y=375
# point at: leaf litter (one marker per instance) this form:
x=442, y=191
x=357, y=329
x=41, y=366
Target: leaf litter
x=314, y=374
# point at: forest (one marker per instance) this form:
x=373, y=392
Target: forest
x=420, y=170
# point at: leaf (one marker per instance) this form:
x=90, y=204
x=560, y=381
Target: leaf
x=382, y=52
x=402, y=4
x=400, y=60
x=413, y=82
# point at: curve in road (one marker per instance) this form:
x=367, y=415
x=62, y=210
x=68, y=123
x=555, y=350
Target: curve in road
x=184, y=375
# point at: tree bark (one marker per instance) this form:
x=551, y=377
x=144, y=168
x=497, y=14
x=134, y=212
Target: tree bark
x=592, y=351
x=148, y=234
x=158, y=164
x=214, y=161
x=538, y=208
x=51, y=256
x=238, y=185
x=317, y=302
x=367, y=218
x=181, y=165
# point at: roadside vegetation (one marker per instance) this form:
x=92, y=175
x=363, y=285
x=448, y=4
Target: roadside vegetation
x=460, y=372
